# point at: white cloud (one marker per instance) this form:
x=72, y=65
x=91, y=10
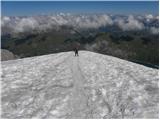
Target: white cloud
x=94, y=21
x=82, y=21
x=154, y=30
x=130, y=24
x=54, y=21
x=4, y=20
x=149, y=17
x=26, y=24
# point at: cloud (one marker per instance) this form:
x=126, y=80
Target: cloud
x=59, y=19
x=94, y=21
x=149, y=17
x=81, y=21
x=26, y=24
x=5, y=20
x=154, y=30
x=91, y=47
x=55, y=21
x=130, y=24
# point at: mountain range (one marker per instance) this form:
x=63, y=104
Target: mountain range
x=133, y=37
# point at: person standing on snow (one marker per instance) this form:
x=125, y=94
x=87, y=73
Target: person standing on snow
x=76, y=51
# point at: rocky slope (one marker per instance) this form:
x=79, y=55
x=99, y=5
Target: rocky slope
x=7, y=55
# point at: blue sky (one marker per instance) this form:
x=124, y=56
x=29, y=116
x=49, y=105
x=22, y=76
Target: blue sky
x=23, y=8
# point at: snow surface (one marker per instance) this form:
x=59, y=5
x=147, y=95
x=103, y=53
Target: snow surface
x=89, y=86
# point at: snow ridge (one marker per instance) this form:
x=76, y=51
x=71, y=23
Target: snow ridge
x=89, y=86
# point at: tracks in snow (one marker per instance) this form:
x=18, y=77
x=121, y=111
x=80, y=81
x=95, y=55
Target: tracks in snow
x=79, y=99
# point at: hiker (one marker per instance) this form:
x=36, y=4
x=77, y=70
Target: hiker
x=76, y=51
